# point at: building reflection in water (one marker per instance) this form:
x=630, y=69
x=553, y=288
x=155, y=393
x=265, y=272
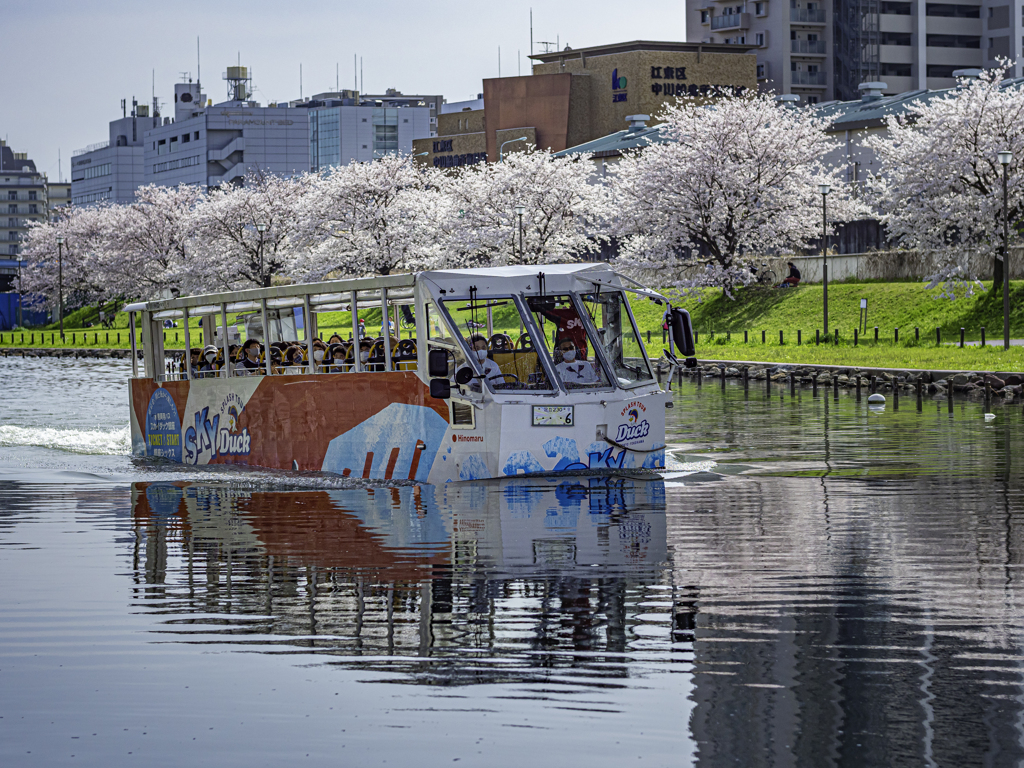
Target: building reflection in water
x=821, y=621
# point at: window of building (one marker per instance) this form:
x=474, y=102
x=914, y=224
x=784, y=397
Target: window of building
x=12, y=235
x=186, y=138
x=12, y=209
x=812, y=68
x=894, y=70
x=12, y=222
x=196, y=136
x=33, y=195
x=173, y=145
x=93, y=172
x=705, y=17
x=12, y=250
x=954, y=11
x=173, y=165
x=941, y=70
x=760, y=9
x=953, y=41
x=895, y=38
x=12, y=195
x=759, y=38
x=895, y=9
x=33, y=209
x=761, y=71
x=161, y=147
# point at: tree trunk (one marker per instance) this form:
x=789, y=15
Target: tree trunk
x=997, y=273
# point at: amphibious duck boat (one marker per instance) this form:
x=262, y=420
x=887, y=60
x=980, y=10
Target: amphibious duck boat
x=477, y=373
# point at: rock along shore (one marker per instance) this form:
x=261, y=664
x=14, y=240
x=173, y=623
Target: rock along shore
x=971, y=383
x=115, y=354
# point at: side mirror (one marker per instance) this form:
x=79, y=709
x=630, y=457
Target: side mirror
x=440, y=389
x=682, y=332
x=437, y=363
x=463, y=376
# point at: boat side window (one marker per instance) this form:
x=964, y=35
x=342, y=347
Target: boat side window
x=439, y=336
x=618, y=337
x=562, y=327
x=505, y=357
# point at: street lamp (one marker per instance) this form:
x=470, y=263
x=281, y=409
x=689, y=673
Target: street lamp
x=501, y=149
x=60, y=282
x=824, y=189
x=520, y=210
x=261, y=228
x=1005, y=158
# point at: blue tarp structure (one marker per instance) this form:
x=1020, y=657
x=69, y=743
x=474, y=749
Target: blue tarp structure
x=9, y=313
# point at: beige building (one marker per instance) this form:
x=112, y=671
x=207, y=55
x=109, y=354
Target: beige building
x=578, y=95
x=58, y=195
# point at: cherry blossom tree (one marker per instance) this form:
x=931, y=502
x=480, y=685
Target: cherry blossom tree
x=373, y=218
x=78, y=262
x=561, y=209
x=736, y=177
x=243, y=237
x=941, y=183
x=146, y=245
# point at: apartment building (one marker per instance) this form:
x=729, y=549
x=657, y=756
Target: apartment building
x=22, y=197
x=792, y=42
x=823, y=51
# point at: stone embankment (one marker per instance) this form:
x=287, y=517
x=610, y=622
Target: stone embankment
x=115, y=354
x=969, y=383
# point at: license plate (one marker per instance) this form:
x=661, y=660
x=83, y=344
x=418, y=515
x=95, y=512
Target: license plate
x=552, y=416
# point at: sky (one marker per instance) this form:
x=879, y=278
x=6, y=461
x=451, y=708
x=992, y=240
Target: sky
x=75, y=61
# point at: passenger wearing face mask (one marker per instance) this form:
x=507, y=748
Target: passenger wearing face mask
x=335, y=361
x=319, y=354
x=364, y=353
x=572, y=371
x=208, y=366
x=491, y=371
x=294, y=364
x=249, y=365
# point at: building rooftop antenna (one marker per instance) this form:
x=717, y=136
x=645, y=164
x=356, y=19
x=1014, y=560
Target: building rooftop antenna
x=199, y=86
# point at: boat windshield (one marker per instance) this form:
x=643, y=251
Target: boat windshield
x=562, y=327
x=506, y=358
x=619, y=338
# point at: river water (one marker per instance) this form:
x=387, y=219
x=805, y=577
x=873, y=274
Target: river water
x=815, y=583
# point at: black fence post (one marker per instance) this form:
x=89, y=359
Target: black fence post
x=745, y=339
x=799, y=337
x=896, y=336
x=837, y=335
x=780, y=339
x=961, y=338
x=763, y=336
x=857, y=377
x=917, y=333
x=876, y=334
x=983, y=335
x=855, y=337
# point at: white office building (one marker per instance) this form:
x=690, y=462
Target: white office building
x=346, y=127
x=210, y=144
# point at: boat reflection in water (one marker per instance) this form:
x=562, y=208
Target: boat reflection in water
x=410, y=571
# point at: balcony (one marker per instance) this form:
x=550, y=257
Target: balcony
x=809, y=78
x=805, y=16
x=731, y=21
x=813, y=47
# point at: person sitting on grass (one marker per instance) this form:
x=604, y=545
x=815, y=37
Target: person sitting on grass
x=794, y=277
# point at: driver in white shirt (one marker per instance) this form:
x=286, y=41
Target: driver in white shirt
x=491, y=370
x=572, y=371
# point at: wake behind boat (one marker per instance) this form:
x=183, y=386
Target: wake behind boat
x=565, y=385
